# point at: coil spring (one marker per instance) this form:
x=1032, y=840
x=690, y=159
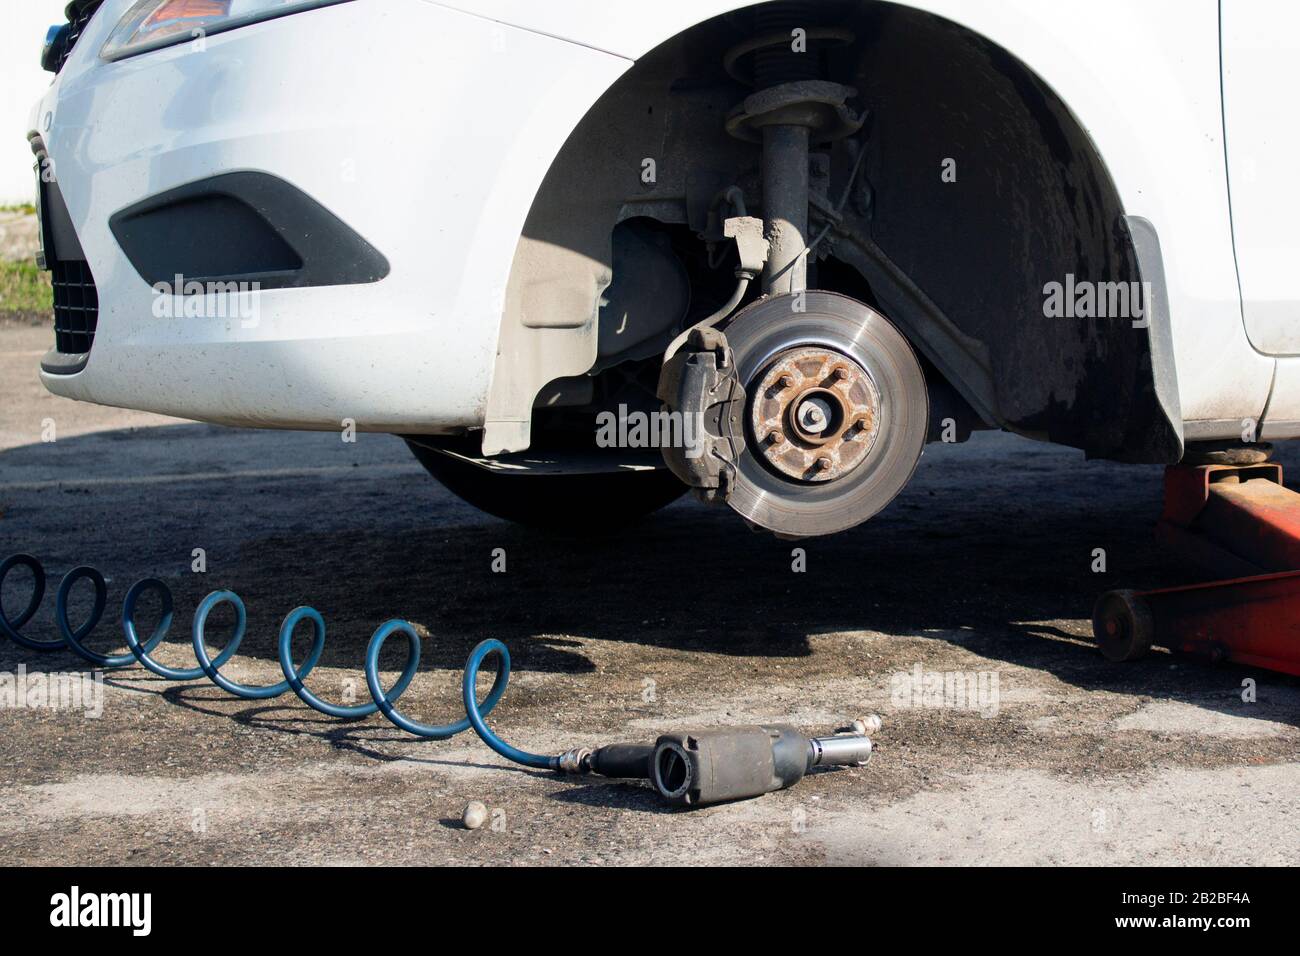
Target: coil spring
x=765, y=59
x=295, y=675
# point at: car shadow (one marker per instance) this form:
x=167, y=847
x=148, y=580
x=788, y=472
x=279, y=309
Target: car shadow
x=993, y=547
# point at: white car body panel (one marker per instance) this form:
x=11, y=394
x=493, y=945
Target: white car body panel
x=1261, y=60
x=504, y=82
x=411, y=353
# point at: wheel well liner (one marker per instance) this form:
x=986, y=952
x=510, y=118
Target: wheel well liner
x=960, y=262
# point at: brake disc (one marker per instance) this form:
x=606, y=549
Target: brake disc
x=836, y=417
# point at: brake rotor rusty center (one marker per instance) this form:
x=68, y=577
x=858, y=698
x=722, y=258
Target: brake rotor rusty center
x=814, y=414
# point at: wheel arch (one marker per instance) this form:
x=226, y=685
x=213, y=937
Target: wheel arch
x=961, y=268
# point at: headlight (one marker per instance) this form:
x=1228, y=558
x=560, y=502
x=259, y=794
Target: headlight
x=153, y=24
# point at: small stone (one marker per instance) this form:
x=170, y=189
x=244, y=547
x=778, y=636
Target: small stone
x=475, y=815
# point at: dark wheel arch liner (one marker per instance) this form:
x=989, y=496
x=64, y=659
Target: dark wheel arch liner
x=961, y=268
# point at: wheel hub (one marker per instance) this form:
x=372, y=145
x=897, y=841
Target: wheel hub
x=814, y=415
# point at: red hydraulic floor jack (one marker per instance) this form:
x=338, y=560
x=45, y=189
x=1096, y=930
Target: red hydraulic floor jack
x=1239, y=520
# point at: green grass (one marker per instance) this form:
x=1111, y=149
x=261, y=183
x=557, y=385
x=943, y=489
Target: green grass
x=26, y=208
x=24, y=289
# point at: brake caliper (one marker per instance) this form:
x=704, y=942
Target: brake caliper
x=700, y=384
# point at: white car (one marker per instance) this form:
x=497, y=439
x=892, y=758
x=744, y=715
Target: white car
x=585, y=254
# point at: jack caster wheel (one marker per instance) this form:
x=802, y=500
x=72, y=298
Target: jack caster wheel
x=1123, y=626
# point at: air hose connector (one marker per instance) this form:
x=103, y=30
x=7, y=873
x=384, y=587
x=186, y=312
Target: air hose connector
x=576, y=761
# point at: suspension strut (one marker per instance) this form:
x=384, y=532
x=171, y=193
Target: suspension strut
x=792, y=110
x=687, y=768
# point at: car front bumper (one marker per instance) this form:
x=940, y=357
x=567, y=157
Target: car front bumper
x=426, y=130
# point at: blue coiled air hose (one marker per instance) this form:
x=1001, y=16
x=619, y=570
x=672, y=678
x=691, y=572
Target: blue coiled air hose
x=468, y=684
x=689, y=768
x=295, y=675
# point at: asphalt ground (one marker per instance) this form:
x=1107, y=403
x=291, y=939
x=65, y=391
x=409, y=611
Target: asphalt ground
x=982, y=569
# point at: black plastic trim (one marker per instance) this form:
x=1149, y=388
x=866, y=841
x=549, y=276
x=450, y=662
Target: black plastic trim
x=245, y=226
x=61, y=39
x=59, y=248
x=1166, y=439
x=62, y=363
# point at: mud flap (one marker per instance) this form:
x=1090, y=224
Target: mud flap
x=700, y=384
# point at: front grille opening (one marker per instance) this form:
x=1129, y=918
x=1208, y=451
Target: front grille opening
x=76, y=306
